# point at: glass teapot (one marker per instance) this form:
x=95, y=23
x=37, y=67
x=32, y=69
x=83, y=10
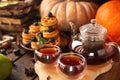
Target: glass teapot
x=91, y=43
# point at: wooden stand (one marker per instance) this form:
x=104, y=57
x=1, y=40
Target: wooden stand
x=92, y=72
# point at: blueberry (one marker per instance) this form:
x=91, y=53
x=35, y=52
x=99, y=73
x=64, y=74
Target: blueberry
x=50, y=14
x=28, y=44
x=16, y=51
x=52, y=40
x=40, y=34
x=3, y=51
x=26, y=31
x=34, y=39
x=35, y=24
x=50, y=29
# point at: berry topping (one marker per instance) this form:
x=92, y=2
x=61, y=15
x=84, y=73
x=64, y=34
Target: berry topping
x=52, y=39
x=28, y=45
x=50, y=14
x=35, y=24
x=50, y=29
x=34, y=39
x=26, y=31
x=16, y=51
x=3, y=51
x=40, y=34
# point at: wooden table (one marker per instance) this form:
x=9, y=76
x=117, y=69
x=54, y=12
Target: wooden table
x=24, y=63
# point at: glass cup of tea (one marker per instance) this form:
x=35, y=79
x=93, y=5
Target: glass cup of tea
x=47, y=54
x=71, y=66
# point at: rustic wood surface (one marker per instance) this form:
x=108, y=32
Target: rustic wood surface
x=25, y=61
x=91, y=73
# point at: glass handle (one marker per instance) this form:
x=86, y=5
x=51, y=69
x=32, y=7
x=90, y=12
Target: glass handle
x=116, y=57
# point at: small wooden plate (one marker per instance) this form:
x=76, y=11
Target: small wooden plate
x=92, y=72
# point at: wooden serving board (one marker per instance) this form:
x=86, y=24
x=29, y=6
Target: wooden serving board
x=92, y=72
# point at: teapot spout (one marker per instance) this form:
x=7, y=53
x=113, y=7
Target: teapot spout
x=73, y=28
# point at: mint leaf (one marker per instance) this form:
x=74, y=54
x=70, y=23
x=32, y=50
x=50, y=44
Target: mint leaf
x=41, y=40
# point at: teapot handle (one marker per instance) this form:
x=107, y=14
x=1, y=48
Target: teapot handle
x=75, y=37
x=116, y=57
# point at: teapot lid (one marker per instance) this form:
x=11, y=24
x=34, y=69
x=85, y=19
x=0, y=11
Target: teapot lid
x=93, y=28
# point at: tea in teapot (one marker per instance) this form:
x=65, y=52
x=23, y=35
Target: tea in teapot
x=91, y=43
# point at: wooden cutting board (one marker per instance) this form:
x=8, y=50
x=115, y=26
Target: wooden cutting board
x=92, y=72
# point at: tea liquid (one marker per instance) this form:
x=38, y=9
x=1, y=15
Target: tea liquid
x=47, y=55
x=73, y=65
x=48, y=51
x=100, y=54
x=71, y=60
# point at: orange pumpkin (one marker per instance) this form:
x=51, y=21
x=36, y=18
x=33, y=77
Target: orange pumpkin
x=78, y=11
x=108, y=15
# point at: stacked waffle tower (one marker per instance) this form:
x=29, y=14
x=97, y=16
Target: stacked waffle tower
x=49, y=29
x=46, y=30
x=29, y=36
